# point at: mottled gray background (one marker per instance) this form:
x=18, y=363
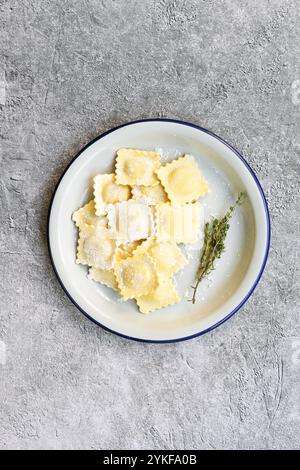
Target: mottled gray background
x=70, y=70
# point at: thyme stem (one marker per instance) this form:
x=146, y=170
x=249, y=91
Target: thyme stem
x=215, y=233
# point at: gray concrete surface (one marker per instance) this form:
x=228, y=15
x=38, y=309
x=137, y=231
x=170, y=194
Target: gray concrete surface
x=70, y=70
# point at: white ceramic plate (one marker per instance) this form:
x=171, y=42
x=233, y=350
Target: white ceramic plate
x=237, y=272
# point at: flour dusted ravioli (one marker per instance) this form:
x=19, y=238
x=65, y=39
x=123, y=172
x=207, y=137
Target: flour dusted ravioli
x=87, y=215
x=165, y=294
x=96, y=248
x=130, y=220
x=177, y=223
x=137, y=167
x=129, y=233
x=106, y=191
x=106, y=277
x=167, y=256
x=182, y=180
x=152, y=195
x=136, y=276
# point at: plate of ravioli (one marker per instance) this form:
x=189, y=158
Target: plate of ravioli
x=146, y=212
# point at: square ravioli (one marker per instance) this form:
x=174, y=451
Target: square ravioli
x=178, y=223
x=182, y=180
x=87, y=215
x=164, y=295
x=95, y=247
x=106, y=191
x=167, y=256
x=106, y=277
x=136, y=276
x=152, y=195
x=130, y=221
x=137, y=167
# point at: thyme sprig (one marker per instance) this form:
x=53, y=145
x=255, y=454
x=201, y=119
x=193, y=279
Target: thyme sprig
x=215, y=233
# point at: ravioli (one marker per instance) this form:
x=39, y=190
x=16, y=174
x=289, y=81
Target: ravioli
x=177, y=223
x=164, y=295
x=129, y=233
x=130, y=221
x=152, y=195
x=106, y=191
x=96, y=248
x=137, y=167
x=106, y=277
x=167, y=256
x=182, y=180
x=87, y=215
x=136, y=276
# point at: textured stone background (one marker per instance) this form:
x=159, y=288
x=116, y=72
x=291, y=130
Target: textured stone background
x=70, y=70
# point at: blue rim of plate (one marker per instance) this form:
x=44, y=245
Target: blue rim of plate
x=202, y=129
